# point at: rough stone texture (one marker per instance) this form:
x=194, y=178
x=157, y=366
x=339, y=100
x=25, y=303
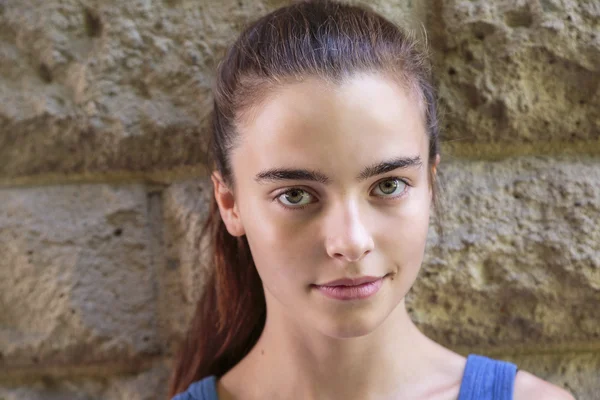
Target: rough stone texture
x=576, y=372
x=147, y=385
x=93, y=86
x=185, y=208
x=76, y=279
x=96, y=85
x=518, y=70
x=519, y=265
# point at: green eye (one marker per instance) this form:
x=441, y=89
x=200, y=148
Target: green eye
x=389, y=186
x=294, y=197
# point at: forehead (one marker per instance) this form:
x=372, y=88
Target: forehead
x=332, y=127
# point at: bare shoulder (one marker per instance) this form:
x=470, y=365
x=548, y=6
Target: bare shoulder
x=529, y=386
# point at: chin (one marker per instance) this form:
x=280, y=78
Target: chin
x=346, y=325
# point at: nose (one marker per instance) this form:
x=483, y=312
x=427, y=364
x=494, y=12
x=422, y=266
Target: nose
x=348, y=238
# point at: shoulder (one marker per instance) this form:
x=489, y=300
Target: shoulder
x=529, y=386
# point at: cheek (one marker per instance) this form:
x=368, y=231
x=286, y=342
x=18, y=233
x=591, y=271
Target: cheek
x=277, y=230
x=416, y=221
x=404, y=233
x=278, y=245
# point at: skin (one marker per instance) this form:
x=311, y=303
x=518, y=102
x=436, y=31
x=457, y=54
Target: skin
x=314, y=347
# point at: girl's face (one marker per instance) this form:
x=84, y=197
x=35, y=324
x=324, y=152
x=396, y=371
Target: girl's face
x=363, y=215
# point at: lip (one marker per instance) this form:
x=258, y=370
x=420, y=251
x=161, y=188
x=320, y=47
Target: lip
x=352, y=281
x=357, y=288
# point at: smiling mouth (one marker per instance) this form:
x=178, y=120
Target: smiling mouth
x=351, y=289
x=356, y=281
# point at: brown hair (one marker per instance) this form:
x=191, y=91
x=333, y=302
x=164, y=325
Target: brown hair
x=319, y=38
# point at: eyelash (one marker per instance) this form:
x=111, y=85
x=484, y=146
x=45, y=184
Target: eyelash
x=392, y=178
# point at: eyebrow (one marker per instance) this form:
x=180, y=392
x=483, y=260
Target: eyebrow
x=283, y=174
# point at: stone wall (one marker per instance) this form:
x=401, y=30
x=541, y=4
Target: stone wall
x=103, y=108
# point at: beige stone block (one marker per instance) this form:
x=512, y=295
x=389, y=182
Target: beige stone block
x=76, y=275
x=150, y=384
x=524, y=71
x=107, y=86
x=519, y=265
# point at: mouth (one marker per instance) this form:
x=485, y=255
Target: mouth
x=351, y=288
x=357, y=281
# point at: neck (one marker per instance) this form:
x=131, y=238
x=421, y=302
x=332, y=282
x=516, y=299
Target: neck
x=291, y=362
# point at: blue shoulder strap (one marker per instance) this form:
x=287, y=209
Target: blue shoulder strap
x=204, y=389
x=487, y=379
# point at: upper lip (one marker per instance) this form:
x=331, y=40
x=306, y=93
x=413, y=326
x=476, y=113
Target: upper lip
x=352, y=281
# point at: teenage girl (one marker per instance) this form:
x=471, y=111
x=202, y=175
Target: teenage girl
x=325, y=146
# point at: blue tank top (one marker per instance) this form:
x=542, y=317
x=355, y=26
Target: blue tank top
x=483, y=379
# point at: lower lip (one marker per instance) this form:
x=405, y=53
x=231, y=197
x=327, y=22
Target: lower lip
x=351, y=292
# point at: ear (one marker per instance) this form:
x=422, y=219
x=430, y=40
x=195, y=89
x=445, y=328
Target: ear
x=434, y=174
x=435, y=164
x=227, y=206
